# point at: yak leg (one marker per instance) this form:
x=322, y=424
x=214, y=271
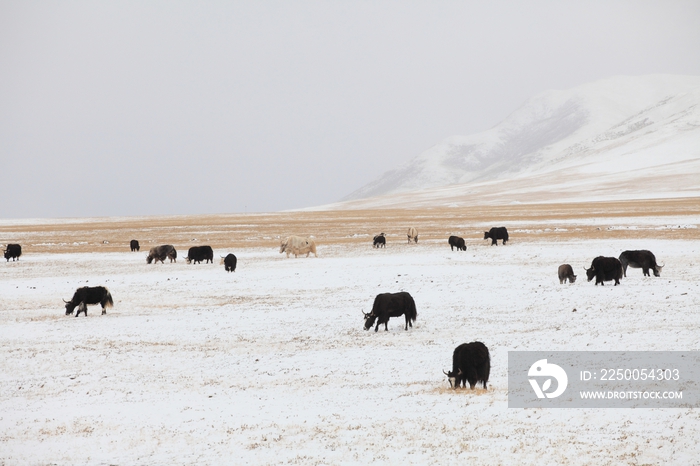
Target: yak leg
x=376, y=328
x=471, y=376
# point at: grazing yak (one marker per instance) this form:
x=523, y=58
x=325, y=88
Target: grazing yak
x=379, y=241
x=642, y=259
x=298, y=245
x=497, y=233
x=456, y=242
x=605, y=269
x=160, y=253
x=412, y=235
x=566, y=272
x=134, y=245
x=471, y=363
x=198, y=254
x=13, y=252
x=89, y=295
x=391, y=305
x=229, y=262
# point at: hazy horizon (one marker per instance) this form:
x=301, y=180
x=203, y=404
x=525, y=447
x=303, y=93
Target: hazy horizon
x=162, y=108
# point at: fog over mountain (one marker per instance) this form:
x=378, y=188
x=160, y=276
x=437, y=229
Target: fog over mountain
x=622, y=137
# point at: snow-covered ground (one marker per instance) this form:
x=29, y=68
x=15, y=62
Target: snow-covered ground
x=271, y=364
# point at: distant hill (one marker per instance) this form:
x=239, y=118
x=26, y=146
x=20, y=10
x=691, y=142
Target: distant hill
x=619, y=138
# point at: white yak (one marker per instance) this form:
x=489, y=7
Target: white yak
x=298, y=245
x=412, y=234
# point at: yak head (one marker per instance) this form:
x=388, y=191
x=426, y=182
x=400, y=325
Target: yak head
x=70, y=305
x=369, y=320
x=657, y=270
x=572, y=278
x=149, y=259
x=452, y=377
x=188, y=259
x=590, y=273
x=486, y=235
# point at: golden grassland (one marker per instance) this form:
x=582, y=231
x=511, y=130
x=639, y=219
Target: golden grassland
x=525, y=222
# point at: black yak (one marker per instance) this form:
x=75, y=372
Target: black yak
x=566, y=272
x=379, y=241
x=229, y=262
x=456, y=242
x=605, y=269
x=89, y=295
x=497, y=233
x=471, y=363
x=198, y=254
x=12, y=251
x=134, y=245
x=642, y=259
x=391, y=305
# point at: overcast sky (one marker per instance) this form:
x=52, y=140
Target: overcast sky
x=142, y=108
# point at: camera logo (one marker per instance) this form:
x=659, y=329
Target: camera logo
x=542, y=369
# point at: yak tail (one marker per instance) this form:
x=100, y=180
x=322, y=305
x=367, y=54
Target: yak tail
x=486, y=371
x=411, y=312
x=108, y=299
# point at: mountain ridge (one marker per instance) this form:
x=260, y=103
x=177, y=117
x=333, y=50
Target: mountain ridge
x=606, y=127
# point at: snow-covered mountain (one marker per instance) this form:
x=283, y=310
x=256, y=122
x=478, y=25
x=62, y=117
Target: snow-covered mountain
x=622, y=137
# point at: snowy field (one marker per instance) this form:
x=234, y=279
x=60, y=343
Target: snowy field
x=271, y=365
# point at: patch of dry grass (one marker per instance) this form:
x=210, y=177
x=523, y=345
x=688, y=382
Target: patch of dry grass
x=535, y=222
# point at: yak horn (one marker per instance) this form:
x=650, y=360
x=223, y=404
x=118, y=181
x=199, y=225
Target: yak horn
x=65, y=301
x=443, y=371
